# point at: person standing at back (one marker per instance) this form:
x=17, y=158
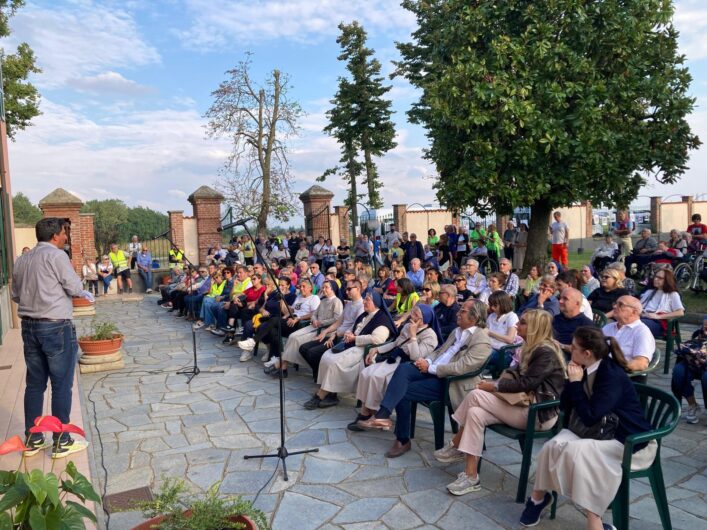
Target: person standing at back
x=43, y=283
x=560, y=233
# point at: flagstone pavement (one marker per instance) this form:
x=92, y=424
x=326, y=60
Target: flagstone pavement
x=147, y=423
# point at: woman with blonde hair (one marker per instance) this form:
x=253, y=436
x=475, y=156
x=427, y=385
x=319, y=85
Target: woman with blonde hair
x=611, y=288
x=539, y=377
x=430, y=294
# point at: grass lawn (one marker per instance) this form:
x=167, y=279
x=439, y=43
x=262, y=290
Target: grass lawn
x=694, y=302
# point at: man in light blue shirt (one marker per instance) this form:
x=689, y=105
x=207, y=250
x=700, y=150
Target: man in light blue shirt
x=144, y=267
x=416, y=275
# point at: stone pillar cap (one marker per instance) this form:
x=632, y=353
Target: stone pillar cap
x=60, y=197
x=205, y=192
x=316, y=191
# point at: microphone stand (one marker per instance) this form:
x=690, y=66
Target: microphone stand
x=194, y=370
x=282, y=452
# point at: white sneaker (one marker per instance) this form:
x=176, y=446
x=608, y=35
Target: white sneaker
x=448, y=454
x=692, y=414
x=239, y=330
x=272, y=362
x=198, y=325
x=248, y=344
x=247, y=355
x=464, y=484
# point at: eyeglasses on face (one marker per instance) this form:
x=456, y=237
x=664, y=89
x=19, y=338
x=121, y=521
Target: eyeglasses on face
x=426, y=289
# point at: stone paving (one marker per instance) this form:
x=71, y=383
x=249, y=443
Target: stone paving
x=153, y=425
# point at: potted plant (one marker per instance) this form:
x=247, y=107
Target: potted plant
x=174, y=508
x=34, y=499
x=104, y=339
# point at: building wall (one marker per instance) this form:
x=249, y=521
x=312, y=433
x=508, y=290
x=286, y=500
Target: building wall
x=24, y=237
x=673, y=215
x=334, y=229
x=700, y=208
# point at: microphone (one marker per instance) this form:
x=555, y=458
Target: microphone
x=235, y=223
x=163, y=234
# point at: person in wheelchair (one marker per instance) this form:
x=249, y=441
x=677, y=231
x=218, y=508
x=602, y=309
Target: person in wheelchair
x=604, y=254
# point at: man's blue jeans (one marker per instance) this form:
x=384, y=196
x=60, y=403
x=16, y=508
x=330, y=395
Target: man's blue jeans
x=146, y=278
x=409, y=384
x=50, y=350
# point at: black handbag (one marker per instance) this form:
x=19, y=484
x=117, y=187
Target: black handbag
x=604, y=429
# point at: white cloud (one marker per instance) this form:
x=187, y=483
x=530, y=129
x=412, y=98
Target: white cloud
x=691, y=21
x=219, y=24
x=81, y=39
x=109, y=83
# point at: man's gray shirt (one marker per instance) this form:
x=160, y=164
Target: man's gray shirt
x=43, y=282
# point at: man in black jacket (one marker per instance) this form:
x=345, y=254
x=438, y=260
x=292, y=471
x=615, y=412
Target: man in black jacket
x=446, y=310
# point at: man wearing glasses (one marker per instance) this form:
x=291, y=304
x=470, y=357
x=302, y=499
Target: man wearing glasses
x=634, y=337
x=544, y=298
x=475, y=281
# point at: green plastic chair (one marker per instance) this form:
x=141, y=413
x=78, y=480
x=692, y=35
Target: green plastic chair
x=642, y=376
x=525, y=439
x=437, y=407
x=501, y=363
x=672, y=338
x=599, y=318
x=662, y=411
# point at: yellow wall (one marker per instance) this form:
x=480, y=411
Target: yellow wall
x=420, y=221
x=700, y=208
x=24, y=237
x=673, y=215
x=334, y=231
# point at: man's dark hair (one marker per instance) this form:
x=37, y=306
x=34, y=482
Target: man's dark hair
x=48, y=227
x=696, y=217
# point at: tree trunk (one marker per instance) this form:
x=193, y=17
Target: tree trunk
x=264, y=155
x=536, y=251
x=373, y=196
x=354, y=214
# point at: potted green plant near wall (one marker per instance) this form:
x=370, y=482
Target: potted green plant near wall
x=34, y=499
x=174, y=508
x=104, y=339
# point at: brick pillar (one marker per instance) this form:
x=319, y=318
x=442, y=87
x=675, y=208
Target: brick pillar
x=176, y=227
x=399, y=218
x=61, y=203
x=501, y=221
x=688, y=199
x=88, y=235
x=207, y=211
x=344, y=224
x=588, y=219
x=456, y=218
x=656, y=203
x=316, y=203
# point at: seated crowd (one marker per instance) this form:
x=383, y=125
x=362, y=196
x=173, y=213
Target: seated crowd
x=389, y=337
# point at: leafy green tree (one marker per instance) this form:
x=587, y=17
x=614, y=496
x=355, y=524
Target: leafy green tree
x=144, y=223
x=258, y=119
x=111, y=215
x=21, y=97
x=24, y=211
x=360, y=118
x=547, y=103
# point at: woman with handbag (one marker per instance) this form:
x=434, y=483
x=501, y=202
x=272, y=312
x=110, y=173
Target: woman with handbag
x=539, y=377
x=584, y=461
x=418, y=338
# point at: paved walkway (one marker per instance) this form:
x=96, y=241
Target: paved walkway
x=152, y=424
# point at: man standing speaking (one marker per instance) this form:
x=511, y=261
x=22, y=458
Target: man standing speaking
x=43, y=283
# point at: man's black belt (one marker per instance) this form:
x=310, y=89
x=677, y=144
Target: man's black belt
x=45, y=319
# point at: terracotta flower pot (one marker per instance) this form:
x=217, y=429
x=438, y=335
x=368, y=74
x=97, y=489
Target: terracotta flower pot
x=81, y=302
x=155, y=522
x=101, y=347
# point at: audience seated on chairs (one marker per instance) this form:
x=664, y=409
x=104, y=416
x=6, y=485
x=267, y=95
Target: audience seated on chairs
x=416, y=274
x=275, y=301
x=418, y=338
x=628, y=283
x=541, y=372
x=569, y=318
x=339, y=367
x=494, y=282
x=216, y=287
x=570, y=278
x=532, y=282
x=604, y=254
x=404, y=301
x=429, y=294
x=244, y=308
x=463, y=293
x=501, y=323
x=446, y=310
x=312, y=351
x=642, y=250
x=661, y=303
x=634, y=337
x=544, y=298
x=610, y=290
x=588, y=470
x=475, y=281
x=226, y=313
x=328, y=312
x=465, y=350
x=301, y=310
x=587, y=281
x=512, y=283
x=691, y=366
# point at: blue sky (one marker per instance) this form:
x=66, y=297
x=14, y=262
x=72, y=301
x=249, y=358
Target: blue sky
x=125, y=85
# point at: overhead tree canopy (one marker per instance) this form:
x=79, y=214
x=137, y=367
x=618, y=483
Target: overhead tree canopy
x=259, y=120
x=547, y=103
x=21, y=97
x=360, y=119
